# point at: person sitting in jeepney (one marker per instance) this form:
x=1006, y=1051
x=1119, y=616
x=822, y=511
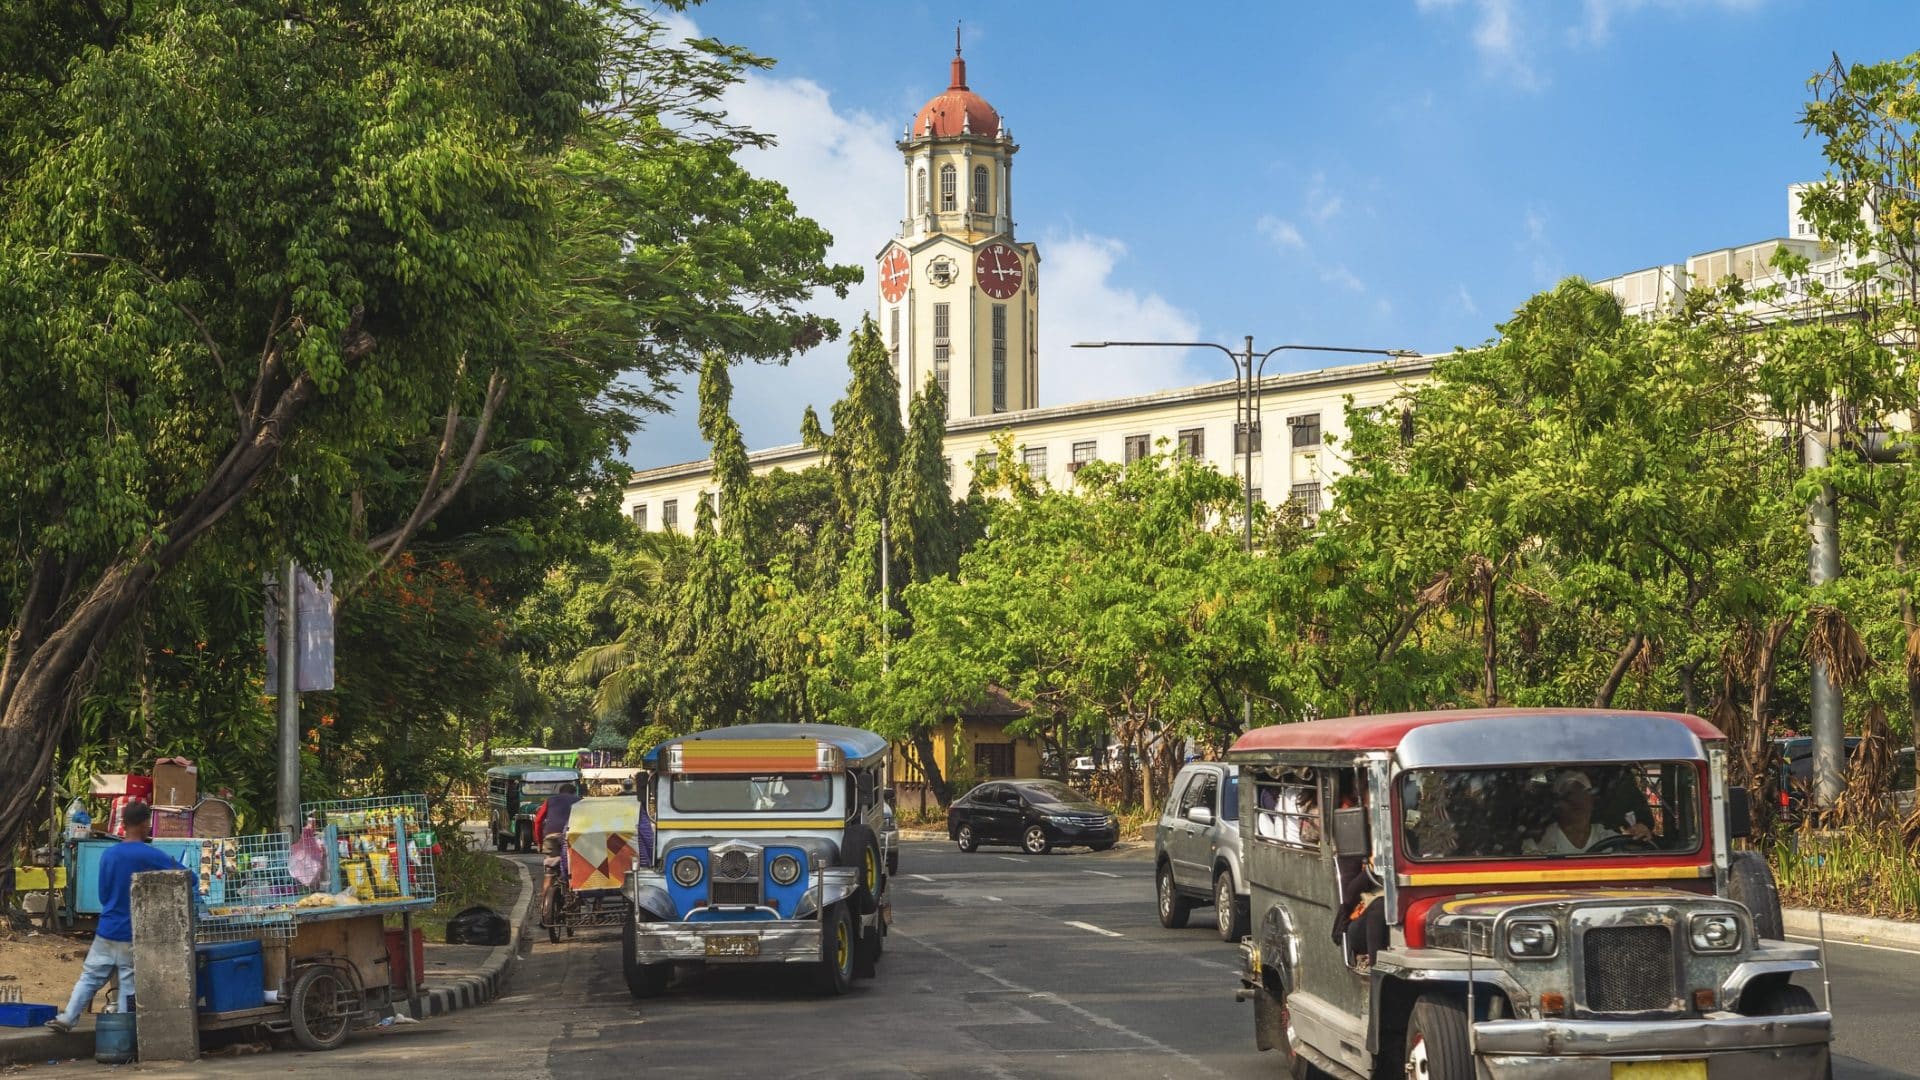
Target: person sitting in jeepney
x=1573, y=830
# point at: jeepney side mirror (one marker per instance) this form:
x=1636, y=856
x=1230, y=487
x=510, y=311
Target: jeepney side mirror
x=1739, y=814
x=1350, y=831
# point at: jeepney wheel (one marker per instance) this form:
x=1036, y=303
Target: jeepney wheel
x=314, y=1008
x=1035, y=841
x=1437, y=1040
x=837, y=942
x=1174, y=908
x=643, y=980
x=1778, y=999
x=1297, y=1067
x=523, y=837
x=1228, y=916
x=963, y=836
x=499, y=839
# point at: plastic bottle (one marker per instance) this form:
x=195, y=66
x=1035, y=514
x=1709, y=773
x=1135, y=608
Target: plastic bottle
x=79, y=822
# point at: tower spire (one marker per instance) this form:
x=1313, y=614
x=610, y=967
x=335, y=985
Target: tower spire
x=959, y=80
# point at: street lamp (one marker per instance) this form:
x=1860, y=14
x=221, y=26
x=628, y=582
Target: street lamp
x=1248, y=369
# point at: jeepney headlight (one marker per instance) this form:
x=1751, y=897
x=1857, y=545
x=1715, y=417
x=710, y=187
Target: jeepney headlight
x=1532, y=939
x=1719, y=932
x=686, y=871
x=784, y=870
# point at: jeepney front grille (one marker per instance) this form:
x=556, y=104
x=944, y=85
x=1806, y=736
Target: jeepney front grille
x=736, y=878
x=1629, y=969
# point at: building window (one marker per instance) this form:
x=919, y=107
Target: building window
x=640, y=516
x=1035, y=458
x=1306, y=497
x=1306, y=430
x=993, y=759
x=1138, y=446
x=670, y=514
x=999, y=358
x=1256, y=495
x=893, y=339
x=923, y=189
x=949, y=189
x=985, y=462
x=1084, y=452
x=1193, y=442
x=1240, y=439
x=942, y=324
x=980, y=189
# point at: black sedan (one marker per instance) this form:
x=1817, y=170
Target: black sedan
x=1036, y=815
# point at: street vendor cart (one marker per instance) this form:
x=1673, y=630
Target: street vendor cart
x=292, y=934
x=600, y=852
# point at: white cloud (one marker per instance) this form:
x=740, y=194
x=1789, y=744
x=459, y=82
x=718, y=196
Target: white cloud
x=1284, y=234
x=1322, y=205
x=1464, y=300
x=1543, y=260
x=1509, y=36
x=1080, y=302
x=1600, y=14
x=1340, y=275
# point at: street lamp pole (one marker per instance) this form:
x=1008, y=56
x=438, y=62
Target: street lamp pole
x=1249, y=374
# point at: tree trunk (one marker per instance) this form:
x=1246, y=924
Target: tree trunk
x=922, y=743
x=1689, y=675
x=1766, y=658
x=1490, y=652
x=1603, y=698
x=1910, y=642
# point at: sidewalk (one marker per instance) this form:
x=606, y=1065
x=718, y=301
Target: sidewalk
x=1887, y=933
x=457, y=977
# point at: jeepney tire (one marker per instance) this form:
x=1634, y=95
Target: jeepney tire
x=1230, y=918
x=1174, y=908
x=964, y=836
x=499, y=839
x=523, y=837
x=838, y=944
x=1778, y=998
x=860, y=850
x=317, y=1032
x=1437, y=1039
x=1750, y=881
x=1297, y=1066
x=643, y=980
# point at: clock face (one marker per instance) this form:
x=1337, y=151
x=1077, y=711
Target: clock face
x=894, y=274
x=998, y=270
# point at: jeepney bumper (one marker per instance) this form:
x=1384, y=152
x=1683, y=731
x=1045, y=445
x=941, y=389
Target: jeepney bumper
x=1719, y=1047
x=756, y=941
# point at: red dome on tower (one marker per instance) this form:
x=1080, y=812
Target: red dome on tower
x=956, y=111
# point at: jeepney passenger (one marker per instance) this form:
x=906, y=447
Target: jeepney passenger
x=1574, y=830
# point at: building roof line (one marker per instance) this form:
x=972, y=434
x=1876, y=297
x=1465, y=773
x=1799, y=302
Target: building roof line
x=1224, y=389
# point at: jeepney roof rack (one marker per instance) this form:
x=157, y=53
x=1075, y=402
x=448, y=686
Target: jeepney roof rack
x=852, y=747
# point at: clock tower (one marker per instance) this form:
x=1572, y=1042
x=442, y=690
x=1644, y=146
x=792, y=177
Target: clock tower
x=959, y=296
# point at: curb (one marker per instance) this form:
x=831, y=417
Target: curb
x=483, y=986
x=47, y=1046
x=1806, y=923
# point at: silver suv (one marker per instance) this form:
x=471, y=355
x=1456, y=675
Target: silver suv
x=1196, y=849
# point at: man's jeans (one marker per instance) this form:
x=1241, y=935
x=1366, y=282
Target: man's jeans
x=103, y=960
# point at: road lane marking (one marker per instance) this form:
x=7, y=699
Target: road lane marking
x=1103, y=873
x=1194, y=1064
x=1096, y=929
x=920, y=877
x=1853, y=944
x=995, y=899
x=1012, y=858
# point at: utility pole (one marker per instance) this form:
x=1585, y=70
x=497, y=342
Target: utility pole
x=1823, y=566
x=287, y=801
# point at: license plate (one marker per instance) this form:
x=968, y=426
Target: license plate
x=1660, y=1070
x=749, y=945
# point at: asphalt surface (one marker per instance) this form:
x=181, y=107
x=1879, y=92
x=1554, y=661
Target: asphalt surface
x=1000, y=964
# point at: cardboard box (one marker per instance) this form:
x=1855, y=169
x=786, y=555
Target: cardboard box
x=172, y=823
x=123, y=786
x=175, y=782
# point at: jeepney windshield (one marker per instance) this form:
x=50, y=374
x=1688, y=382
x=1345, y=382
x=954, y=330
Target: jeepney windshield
x=544, y=787
x=1551, y=811
x=806, y=793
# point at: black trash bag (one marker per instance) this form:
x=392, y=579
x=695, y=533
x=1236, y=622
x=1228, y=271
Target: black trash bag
x=479, y=926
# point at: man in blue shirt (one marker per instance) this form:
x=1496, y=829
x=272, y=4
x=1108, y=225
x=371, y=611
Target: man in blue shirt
x=113, y=939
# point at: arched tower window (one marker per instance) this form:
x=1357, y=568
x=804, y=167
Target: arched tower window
x=980, y=189
x=949, y=189
x=923, y=189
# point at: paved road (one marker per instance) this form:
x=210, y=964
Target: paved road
x=1000, y=965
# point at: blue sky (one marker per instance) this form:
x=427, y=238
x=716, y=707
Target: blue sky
x=1382, y=174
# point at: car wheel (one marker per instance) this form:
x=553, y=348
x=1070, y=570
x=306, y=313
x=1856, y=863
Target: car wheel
x=837, y=942
x=1437, y=1040
x=1108, y=846
x=1228, y=917
x=1035, y=841
x=1174, y=908
x=965, y=838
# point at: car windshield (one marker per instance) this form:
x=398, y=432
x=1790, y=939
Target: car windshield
x=1551, y=811
x=732, y=794
x=1054, y=793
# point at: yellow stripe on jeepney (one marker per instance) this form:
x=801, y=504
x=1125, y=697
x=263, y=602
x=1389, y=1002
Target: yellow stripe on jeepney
x=750, y=756
x=748, y=824
x=1594, y=873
